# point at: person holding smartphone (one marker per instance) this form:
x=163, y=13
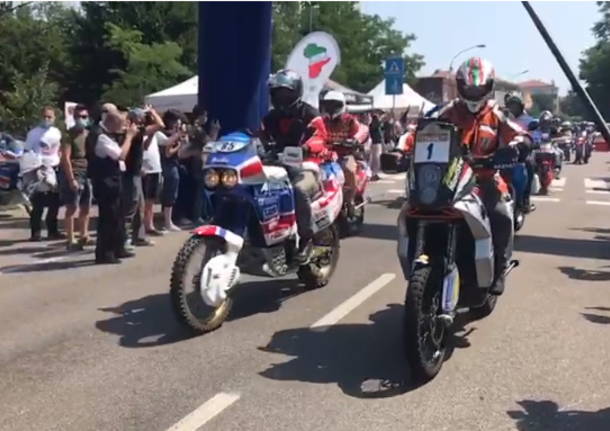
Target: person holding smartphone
x=170, y=141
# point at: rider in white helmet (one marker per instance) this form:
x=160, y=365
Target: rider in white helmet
x=335, y=126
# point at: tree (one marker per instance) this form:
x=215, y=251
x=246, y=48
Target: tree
x=149, y=66
x=158, y=22
x=365, y=40
x=572, y=106
x=595, y=63
x=542, y=102
x=21, y=105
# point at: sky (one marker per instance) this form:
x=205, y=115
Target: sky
x=512, y=42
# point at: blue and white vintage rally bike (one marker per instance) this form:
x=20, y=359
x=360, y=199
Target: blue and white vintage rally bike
x=253, y=229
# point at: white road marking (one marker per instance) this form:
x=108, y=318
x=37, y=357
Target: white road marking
x=556, y=189
x=400, y=176
x=396, y=191
x=561, y=183
x=353, y=302
x=605, y=203
x=384, y=182
x=598, y=192
x=205, y=412
x=597, y=184
x=544, y=199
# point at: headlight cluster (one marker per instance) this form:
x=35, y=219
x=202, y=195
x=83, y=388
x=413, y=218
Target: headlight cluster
x=225, y=177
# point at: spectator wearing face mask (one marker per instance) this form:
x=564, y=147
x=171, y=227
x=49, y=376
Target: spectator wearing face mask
x=45, y=140
x=74, y=186
x=170, y=141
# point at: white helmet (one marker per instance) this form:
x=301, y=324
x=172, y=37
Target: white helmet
x=333, y=104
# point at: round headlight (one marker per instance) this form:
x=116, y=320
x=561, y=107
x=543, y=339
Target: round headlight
x=211, y=178
x=228, y=178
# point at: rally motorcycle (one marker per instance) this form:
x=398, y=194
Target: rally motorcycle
x=253, y=229
x=11, y=184
x=515, y=175
x=565, y=144
x=548, y=161
x=351, y=217
x=445, y=245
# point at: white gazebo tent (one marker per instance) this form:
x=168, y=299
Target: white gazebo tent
x=408, y=99
x=181, y=96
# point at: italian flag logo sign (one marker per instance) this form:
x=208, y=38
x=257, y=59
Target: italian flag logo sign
x=318, y=58
x=314, y=58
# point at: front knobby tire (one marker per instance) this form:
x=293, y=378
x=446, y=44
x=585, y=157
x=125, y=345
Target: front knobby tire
x=325, y=256
x=419, y=310
x=185, y=286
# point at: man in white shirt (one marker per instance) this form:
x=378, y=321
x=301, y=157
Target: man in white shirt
x=45, y=139
x=109, y=163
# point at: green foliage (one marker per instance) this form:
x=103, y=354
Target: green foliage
x=595, y=63
x=21, y=105
x=572, y=106
x=365, y=40
x=150, y=67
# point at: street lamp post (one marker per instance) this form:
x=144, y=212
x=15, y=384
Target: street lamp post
x=463, y=51
x=515, y=75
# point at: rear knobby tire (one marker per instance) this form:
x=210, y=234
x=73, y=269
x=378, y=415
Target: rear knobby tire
x=416, y=303
x=185, y=282
x=318, y=272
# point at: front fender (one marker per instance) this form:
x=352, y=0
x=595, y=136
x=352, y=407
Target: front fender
x=234, y=241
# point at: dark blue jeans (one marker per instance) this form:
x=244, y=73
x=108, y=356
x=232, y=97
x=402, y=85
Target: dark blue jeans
x=171, y=181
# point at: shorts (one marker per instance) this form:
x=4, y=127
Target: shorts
x=80, y=197
x=151, y=184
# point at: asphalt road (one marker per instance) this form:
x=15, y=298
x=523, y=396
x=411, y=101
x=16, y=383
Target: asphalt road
x=86, y=347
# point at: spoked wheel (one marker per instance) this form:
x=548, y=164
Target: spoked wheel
x=425, y=334
x=186, y=281
x=324, y=258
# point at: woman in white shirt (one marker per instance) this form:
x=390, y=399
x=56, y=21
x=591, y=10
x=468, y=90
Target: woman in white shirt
x=151, y=181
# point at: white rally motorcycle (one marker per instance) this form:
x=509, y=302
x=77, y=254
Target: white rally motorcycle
x=445, y=245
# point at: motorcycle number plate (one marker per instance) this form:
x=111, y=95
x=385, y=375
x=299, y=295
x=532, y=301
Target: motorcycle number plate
x=432, y=147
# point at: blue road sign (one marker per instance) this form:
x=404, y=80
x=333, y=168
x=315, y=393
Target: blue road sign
x=394, y=75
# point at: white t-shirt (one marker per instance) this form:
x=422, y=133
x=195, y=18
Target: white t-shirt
x=45, y=141
x=108, y=147
x=151, y=159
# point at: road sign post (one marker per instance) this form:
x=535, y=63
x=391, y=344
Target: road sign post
x=394, y=75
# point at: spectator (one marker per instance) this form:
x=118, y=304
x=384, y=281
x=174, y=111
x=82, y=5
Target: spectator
x=151, y=175
x=191, y=191
x=173, y=137
x=133, y=195
x=74, y=186
x=376, y=147
x=107, y=166
x=45, y=140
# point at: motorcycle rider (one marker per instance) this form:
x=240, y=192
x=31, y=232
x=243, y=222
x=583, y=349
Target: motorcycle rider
x=516, y=110
x=287, y=125
x=484, y=129
x=545, y=133
x=335, y=126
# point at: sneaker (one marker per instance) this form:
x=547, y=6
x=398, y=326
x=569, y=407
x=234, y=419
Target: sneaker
x=125, y=254
x=173, y=228
x=143, y=242
x=107, y=260
x=84, y=241
x=36, y=237
x=155, y=232
x=375, y=177
x=55, y=235
x=74, y=246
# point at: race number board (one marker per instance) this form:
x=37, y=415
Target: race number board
x=432, y=147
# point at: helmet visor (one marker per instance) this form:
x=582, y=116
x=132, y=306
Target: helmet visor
x=331, y=107
x=282, y=97
x=281, y=80
x=474, y=93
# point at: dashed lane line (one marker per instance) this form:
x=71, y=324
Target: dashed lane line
x=604, y=203
x=353, y=302
x=205, y=412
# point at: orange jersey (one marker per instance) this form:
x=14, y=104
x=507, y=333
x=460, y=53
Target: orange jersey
x=484, y=132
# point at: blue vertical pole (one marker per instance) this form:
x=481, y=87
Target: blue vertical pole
x=234, y=62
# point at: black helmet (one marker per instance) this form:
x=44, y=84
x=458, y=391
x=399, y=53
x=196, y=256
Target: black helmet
x=514, y=103
x=545, y=119
x=286, y=88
